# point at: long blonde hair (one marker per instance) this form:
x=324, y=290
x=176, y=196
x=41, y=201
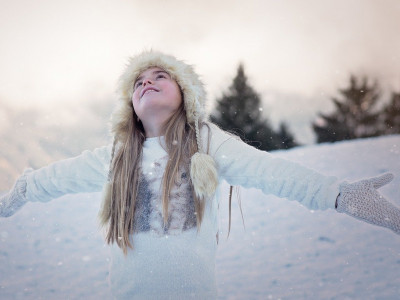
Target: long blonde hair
x=180, y=142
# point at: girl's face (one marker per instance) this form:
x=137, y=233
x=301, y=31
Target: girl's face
x=155, y=94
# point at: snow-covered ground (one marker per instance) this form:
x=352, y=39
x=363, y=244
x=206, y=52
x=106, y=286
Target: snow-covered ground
x=55, y=250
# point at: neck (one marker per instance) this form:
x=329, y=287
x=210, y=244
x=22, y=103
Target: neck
x=154, y=126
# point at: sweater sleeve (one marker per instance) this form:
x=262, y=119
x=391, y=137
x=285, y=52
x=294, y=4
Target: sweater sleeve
x=241, y=164
x=84, y=173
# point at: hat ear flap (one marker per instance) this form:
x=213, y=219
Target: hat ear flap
x=203, y=174
x=203, y=171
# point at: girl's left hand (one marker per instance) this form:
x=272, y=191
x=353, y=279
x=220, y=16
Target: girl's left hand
x=362, y=201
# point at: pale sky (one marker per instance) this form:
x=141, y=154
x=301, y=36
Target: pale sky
x=58, y=53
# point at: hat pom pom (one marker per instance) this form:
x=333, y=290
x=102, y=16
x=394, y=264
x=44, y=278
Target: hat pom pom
x=203, y=173
x=105, y=210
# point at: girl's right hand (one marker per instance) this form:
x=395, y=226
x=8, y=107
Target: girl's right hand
x=14, y=199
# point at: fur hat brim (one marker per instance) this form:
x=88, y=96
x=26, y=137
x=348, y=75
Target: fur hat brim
x=194, y=95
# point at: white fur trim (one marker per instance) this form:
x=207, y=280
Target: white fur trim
x=203, y=173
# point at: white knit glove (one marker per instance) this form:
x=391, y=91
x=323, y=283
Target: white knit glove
x=362, y=201
x=14, y=199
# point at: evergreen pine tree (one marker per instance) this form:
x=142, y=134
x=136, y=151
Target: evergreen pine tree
x=391, y=115
x=286, y=138
x=239, y=111
x=354, y=116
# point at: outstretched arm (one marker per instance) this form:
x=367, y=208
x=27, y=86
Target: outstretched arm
x=84, y=173
x=240, y=164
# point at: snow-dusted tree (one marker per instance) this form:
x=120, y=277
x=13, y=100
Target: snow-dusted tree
x=354, y=116
x=239, y=111
x=391, y=114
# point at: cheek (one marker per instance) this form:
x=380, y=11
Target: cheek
x=135, y=98
x=135, y=105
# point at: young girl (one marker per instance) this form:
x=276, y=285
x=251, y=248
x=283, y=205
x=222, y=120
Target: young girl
x=160, y=178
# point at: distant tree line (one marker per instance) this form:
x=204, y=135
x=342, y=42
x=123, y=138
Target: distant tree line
x=356, y=115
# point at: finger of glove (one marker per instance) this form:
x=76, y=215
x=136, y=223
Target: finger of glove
x=382, y=180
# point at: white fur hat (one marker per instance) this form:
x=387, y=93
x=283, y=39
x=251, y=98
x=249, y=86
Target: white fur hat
x=194, y=94
x=202, y=167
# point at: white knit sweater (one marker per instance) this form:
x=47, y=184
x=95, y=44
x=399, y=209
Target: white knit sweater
x=177, y=261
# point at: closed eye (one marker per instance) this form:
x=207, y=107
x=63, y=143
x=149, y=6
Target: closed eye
x=137, y=84
x=158, y=73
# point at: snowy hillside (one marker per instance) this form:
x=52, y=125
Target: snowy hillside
x=55, y=251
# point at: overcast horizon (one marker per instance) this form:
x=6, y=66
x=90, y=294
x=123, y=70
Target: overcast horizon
x=297, y=54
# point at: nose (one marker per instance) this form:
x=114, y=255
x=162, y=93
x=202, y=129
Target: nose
x=147, y=81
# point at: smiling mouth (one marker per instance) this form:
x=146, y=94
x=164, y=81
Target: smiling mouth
x=146, y=91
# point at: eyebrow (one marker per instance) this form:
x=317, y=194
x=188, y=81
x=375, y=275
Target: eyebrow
x=154, y=72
